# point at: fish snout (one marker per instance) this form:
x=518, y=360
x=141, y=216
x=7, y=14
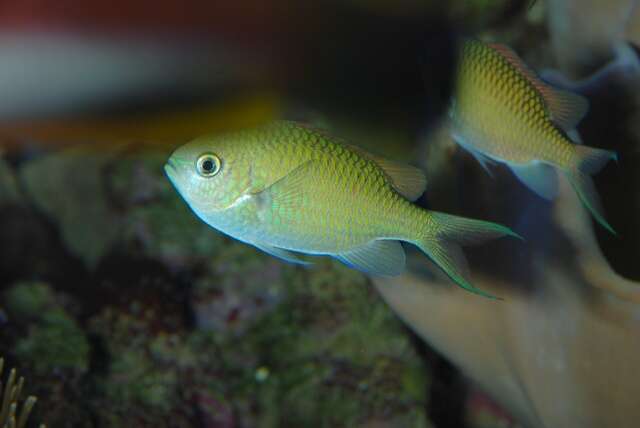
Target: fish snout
x=171, y=169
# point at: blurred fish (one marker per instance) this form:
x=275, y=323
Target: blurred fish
x=151, y=127
x=584, y=33
x=624, y=67
x=503, y=112
x=287, y=188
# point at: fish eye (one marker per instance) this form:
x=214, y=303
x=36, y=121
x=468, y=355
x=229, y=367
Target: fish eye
x=208, y=165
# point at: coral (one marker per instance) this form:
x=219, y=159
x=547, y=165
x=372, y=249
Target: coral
x=329, y=353
x=158, y=221
x=72, y=192
x=113, y=197
x=149, y=365
x=9, y=191
x=277, y=346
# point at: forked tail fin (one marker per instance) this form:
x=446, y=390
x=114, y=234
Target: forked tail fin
x=444, y=246
x=589, y=161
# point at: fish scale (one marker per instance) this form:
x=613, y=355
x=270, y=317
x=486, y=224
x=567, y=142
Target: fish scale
x=336, y=162
x=287, y=189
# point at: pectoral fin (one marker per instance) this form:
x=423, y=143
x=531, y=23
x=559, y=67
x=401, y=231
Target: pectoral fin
x=379, y=257
x=484, y=160
x=539, y=177
x=574, y=136
x=288, y=194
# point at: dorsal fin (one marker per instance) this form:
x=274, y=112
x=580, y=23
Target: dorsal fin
x=567, y=109
x=513, y=58
x=407, y=180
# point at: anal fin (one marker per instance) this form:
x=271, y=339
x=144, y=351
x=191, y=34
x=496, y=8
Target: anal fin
x=379, y=257
x=574, y=136
x=539, y=177
x=283, y=254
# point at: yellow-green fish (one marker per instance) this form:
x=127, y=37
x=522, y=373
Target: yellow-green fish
x=501, y=111
x=287, y=188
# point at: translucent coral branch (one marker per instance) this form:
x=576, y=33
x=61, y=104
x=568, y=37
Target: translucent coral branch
x=561, y=349
x=590, y=261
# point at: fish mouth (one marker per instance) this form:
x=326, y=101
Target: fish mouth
x=171, y=164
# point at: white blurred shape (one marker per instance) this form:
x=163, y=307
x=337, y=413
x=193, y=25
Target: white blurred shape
x=51, y=73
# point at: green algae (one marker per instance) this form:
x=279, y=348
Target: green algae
x=28, y=300
x=334, y=355
x=327, y=352
x=54, y=340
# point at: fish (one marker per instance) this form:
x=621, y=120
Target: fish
x=623, y=70
x=290, y=189
x=501, y=111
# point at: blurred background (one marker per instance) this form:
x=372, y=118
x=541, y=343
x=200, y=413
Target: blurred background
x=122, y=309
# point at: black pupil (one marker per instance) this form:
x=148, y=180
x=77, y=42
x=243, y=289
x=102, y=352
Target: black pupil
x=207, y=165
